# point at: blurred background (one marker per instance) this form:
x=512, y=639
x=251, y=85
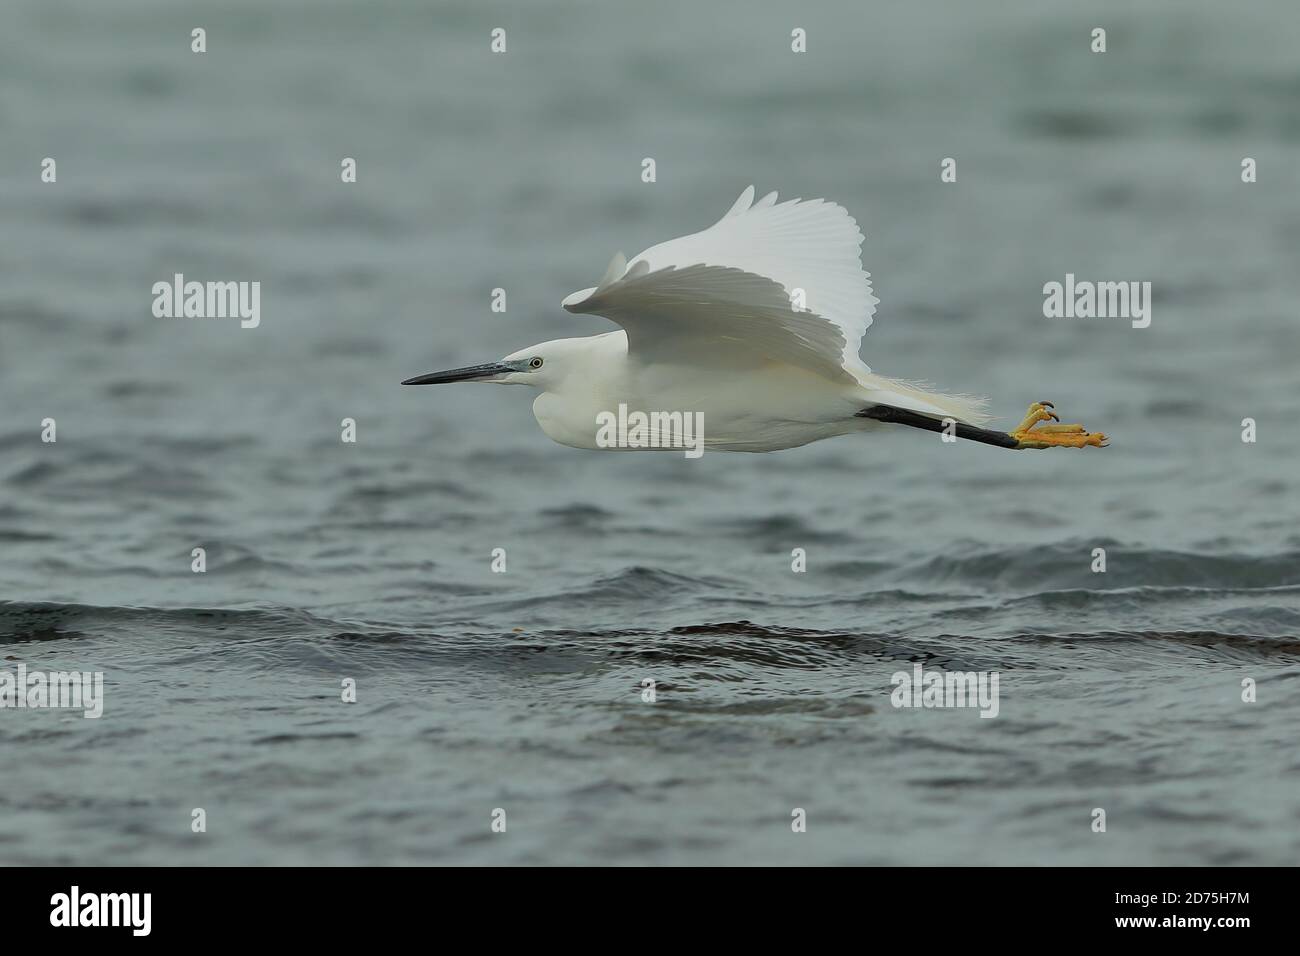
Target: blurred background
x=522, y=690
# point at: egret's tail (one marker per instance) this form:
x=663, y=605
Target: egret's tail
x=919, y=397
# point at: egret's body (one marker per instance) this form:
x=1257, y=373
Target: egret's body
x=754, y=324
x=749, y=408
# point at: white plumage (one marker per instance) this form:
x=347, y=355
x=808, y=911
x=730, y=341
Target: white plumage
x=805, y=250
x=734, y=287
x=754, y=323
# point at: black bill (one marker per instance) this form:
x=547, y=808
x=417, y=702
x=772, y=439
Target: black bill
x=468, y=374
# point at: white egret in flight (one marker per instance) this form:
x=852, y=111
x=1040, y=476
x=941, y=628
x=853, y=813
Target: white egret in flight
x=755, y=325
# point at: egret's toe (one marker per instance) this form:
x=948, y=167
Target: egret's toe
x=1032, y=433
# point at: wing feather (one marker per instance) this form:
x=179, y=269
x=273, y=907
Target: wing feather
x=706, y=312
x=736, y=279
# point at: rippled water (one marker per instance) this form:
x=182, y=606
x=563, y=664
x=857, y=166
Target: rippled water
x=523, y=690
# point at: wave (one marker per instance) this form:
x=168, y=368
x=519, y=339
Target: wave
x=284, y=634
x=1069, y=565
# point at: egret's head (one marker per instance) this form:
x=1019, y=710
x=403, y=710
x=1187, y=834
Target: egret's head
x=538, y=365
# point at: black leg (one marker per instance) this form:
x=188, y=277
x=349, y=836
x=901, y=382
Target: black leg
x=901, y=416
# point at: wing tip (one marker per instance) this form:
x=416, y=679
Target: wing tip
x=742, y=204
x=573, y=301
x=613, y=272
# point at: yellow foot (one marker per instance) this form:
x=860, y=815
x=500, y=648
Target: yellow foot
x=1031, y=433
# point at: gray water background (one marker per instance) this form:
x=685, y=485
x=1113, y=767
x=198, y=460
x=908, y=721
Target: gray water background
x=522, y=690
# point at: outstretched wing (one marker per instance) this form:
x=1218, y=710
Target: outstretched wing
x=778, y=280
x=716, y=315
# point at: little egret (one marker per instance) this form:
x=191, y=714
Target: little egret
x=752, y=327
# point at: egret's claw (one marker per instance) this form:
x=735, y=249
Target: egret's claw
x=1032, y=433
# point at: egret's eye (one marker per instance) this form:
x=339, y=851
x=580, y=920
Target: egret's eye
x=534, y=363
